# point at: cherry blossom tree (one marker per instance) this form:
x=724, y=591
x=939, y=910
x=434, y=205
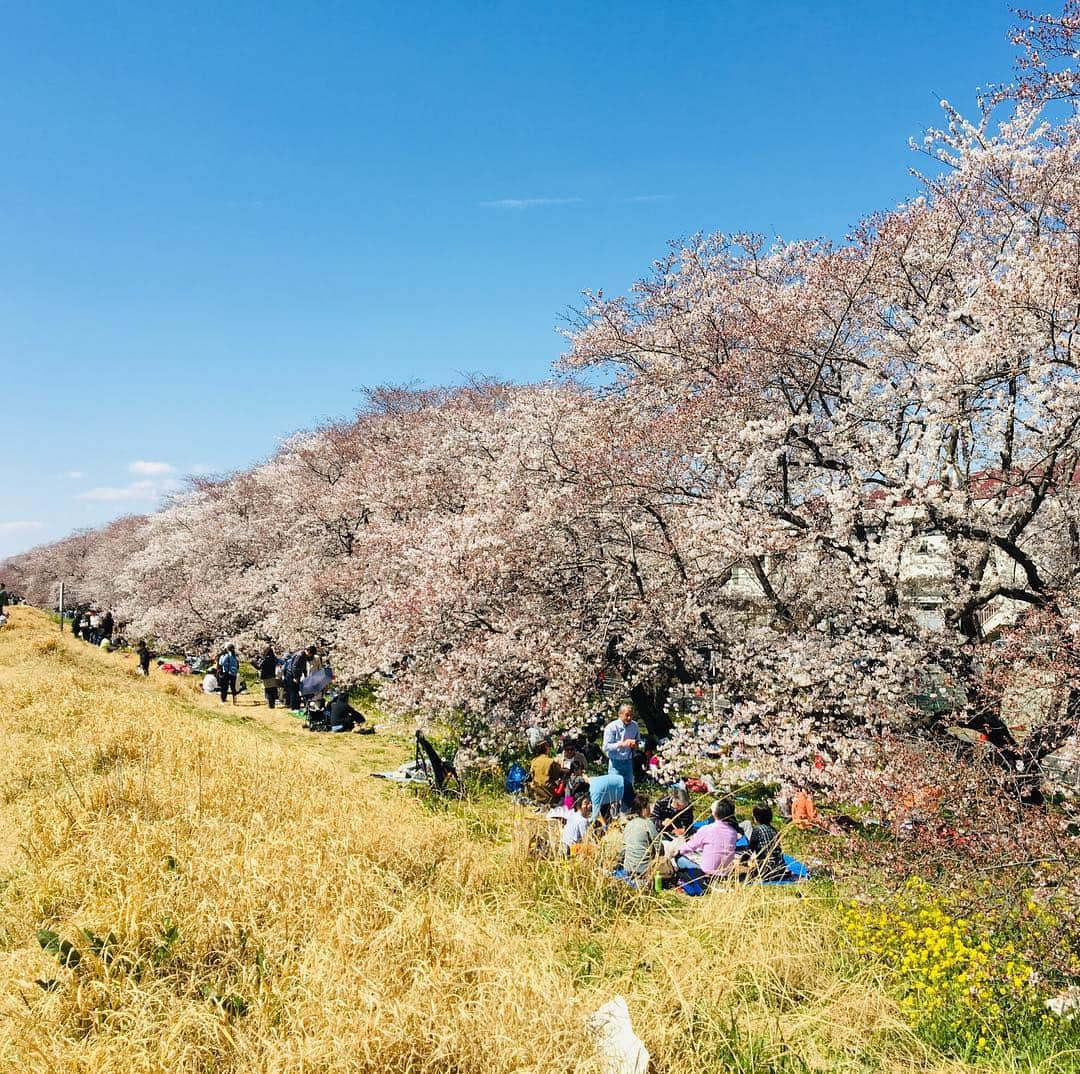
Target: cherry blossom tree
x=805, y=502
x=831, y=404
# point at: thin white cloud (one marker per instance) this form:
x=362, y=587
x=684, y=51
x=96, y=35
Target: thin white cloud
x=149, y=469
x=107, y=493
x=20, y=527
x=145, y=489
x=527, y=203
x=74, y=475
x=645, y=199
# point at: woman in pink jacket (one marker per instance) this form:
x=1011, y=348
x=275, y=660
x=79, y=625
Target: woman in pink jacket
x=711, y=848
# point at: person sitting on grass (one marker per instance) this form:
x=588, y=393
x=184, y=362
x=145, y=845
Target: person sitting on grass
x=576, y=826
x=641, y=842
x=572, y=759
x=766, y=856
x=711, y=849
x=545, y=773
x=804, y=814
x=646, y=762
x=572, y=762
x=210, y=683
x=343, y=717
x=673, y=813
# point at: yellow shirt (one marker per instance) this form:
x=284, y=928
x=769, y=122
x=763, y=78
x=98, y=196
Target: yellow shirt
x=545, y=774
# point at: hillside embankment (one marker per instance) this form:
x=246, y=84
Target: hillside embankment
x=189, y=887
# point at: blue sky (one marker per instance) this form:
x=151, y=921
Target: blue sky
x=220, y=221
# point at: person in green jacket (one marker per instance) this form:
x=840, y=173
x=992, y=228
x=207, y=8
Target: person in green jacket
x=641, y=841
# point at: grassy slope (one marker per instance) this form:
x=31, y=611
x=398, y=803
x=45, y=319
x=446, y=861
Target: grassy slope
x=272, y=909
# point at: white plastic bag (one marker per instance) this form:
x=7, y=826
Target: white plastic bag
x=618, y=1045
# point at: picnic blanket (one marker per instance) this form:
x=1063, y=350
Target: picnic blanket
x=407, y=773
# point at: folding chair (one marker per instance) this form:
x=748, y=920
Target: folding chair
x=438, y=772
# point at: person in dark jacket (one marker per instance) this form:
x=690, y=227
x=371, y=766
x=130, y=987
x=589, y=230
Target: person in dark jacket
x=268, y=675
x=765, y=849
x=673, y=813
x=228, y=670
x=142, y=651
x=343, y=717
x=107, y=625
x=299, y=670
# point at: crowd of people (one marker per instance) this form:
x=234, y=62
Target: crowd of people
x=94, y=626
x=662, y=843
x=301, y=680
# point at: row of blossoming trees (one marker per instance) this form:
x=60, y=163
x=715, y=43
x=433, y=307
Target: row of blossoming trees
x=797, y=415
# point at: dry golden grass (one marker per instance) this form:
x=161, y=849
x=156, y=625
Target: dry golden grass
x=268, y=909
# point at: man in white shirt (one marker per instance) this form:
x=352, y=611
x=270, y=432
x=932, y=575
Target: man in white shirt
x=621, y=738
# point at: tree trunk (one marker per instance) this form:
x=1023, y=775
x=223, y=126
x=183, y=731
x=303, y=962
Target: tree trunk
x=649, y=708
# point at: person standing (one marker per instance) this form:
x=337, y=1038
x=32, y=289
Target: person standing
x=107, y=625
x=285, y=676
x=298, y=672
x=228, y=669
x=4, y=597
x=621, y=738
x=268, y=675
x=142, y=651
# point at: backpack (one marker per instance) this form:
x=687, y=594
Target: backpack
x=287, y=665
x=516, y=778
